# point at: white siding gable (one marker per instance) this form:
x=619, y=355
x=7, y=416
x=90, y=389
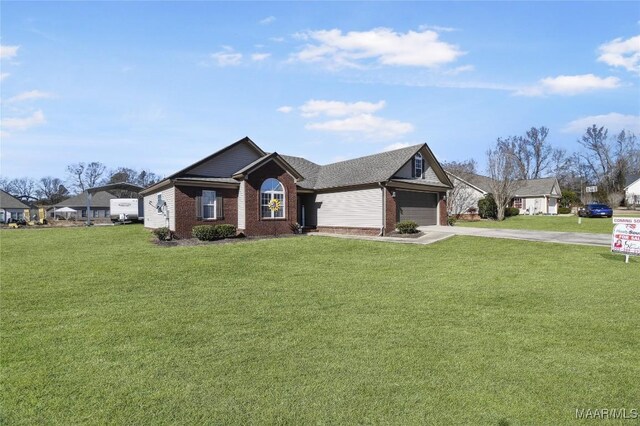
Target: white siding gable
x=226, y=163
x=405, y=171
x=360, y=208
x=153, y=219
x=633, y=193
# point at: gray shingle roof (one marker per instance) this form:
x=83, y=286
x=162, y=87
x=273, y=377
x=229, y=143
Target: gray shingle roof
x=532, y=187
x=479, y=181
x=631, y=178
x=528, y=188
x=8, y=201
x=99, y=199
x=306, y=168
x=209, y=179
x=359, y=171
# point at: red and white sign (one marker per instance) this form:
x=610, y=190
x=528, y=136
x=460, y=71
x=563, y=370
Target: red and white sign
x=626, y=239
x=627, y=220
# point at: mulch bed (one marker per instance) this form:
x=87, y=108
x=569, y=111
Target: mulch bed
x=396, y=234
x=190, y=242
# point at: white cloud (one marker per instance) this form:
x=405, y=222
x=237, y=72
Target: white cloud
x=438, y=28
x=380, y=45
x=313, y=108
x=622, y=53
x=227, y=57
x=276, y=39
x=613, y=121
x=260, y=56
x=8, y=52
x=285, y=109
x=368, y=125
x=569, y=85
x=394, y=146
x=4, y=75
x=268, y=20
x=27, y=96
x=459, y=70
x=23, y=123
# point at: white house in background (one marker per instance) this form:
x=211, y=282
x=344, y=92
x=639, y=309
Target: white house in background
x=632, y=190
x=534, y=196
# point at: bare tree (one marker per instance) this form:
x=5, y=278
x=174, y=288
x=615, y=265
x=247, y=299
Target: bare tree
x=461, y=198
x=5, y=185
x=503, y=168
x=146, y=178
x=76, y=176
x=541, y=152
x=23, y=188
x=83, y=176
x=93, y=173
x=51, y=190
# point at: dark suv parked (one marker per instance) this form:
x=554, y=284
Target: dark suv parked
x=596, y=210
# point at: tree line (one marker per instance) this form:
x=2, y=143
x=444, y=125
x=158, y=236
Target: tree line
x=602, y=160
x=80, y=177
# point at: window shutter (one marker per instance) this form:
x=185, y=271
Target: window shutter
x=198, y=207
x=423, y=168
x=219, y=207
x=413, y=166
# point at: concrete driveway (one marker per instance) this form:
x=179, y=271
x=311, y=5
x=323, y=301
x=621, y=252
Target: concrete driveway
x=519, y=234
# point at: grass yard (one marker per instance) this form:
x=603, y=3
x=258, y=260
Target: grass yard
x=597, y=225
x=100, y=326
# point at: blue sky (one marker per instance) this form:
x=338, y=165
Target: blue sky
x=159, y=85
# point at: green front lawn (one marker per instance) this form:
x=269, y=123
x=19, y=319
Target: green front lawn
x=597, y=225
x=100, y=326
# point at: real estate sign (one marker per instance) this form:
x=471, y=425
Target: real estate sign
x=626, y=238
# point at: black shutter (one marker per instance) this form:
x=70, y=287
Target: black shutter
x=423, y=168
x=198, y=207
x=219, y=207
x=413, y=166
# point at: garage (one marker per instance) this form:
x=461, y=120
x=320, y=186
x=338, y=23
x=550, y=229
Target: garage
x=420, y=207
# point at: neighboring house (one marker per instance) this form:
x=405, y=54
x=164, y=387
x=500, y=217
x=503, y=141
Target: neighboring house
x=632, y=190
x=100, y=205
x=235, y=185
x=12, y=208
x=532, y=197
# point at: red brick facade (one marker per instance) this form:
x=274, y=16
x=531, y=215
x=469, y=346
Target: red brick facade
x=442, y=206
x=348, y=230
x=255, y=225
x=186, y=215
x=391, y=212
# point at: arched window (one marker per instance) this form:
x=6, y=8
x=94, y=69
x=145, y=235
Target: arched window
x=272, y=189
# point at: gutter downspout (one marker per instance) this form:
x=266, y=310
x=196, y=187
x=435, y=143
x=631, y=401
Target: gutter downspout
x=384, y=208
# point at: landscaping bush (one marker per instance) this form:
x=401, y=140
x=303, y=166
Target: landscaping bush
x=487, y=207
x=564, y=210
x=451, y=220
x=213, y=232
x=511, y=211
x=407, y=227
x=226, y=230
x=163, y=234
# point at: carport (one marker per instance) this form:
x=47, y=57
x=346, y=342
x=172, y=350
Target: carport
x=122, y=185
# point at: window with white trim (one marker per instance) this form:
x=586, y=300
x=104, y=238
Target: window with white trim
x=418, y=170
x=208, y=204
x=271, y=189
x=517, y=203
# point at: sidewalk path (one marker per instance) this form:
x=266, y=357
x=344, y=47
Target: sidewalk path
x=429, y=237
x=520, y=234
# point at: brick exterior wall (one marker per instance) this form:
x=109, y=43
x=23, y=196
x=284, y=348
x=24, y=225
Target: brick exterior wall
x=348, y=230
x=442, y=204
x=185, y=214
x=255, y=225
x=391, y=212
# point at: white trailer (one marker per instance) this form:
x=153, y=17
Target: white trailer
x=126, y=210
